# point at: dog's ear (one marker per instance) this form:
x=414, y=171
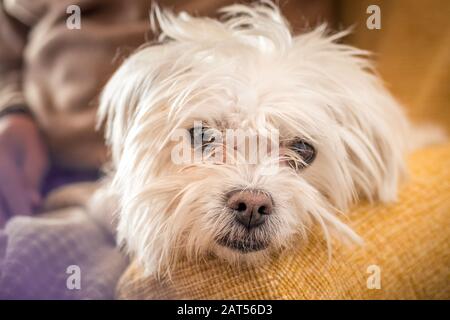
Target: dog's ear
x=370, y=125
x=375, y=148
x=373, y=130
x=145, y=79
x=128, y=95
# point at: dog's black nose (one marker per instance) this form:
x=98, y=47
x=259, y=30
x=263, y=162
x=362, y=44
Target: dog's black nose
x=251, y=207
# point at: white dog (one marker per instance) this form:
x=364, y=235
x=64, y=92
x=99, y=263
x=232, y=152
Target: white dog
x=341, y=136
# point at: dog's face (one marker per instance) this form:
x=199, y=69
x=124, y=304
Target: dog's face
x=334, y=130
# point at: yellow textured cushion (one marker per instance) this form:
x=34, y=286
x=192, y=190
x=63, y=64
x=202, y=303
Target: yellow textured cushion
x=409, y=241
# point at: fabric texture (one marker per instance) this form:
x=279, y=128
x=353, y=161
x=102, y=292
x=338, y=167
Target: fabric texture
x=407, y=241
x=41, y=255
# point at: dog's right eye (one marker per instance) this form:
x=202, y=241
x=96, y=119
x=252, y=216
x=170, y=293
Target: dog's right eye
x=200, y=136
x=305, y=151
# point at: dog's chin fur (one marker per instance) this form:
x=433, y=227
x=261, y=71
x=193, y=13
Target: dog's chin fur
x=245, y=71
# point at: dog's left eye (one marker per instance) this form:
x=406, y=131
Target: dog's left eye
x=305, y=150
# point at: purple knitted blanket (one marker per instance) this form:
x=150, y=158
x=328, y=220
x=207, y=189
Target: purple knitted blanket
x=61, y=255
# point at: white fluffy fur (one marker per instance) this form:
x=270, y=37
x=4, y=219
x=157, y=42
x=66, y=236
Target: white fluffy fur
x=245, y=71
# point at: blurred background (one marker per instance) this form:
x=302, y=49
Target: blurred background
x=51, y=75
x=412, y=52
x=411, y=49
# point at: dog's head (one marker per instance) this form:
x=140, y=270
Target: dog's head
x=336, y=133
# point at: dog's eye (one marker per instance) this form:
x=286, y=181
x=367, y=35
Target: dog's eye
x=201, y=135
x=305, y=150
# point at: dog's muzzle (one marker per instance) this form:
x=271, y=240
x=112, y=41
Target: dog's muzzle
x=251, y=209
